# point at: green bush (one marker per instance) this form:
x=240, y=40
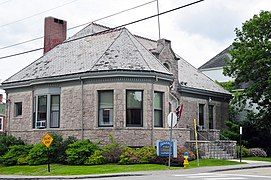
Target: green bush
x=96, y=158
x=79, y=151
x=15, y=153
x=112, y=151
x=38, y=155
x=6, y=141
x=138, y=155
x=175, y=161
x=245, y=151
x=58, y=148
x=146, y=154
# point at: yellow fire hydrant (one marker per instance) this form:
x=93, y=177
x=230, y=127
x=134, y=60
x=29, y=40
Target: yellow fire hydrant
x=185, y=162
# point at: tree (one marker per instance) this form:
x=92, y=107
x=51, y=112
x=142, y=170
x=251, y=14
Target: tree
x=250, y=65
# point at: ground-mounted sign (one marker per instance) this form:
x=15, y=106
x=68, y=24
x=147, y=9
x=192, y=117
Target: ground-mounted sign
x=163, y=148
x=47, y=140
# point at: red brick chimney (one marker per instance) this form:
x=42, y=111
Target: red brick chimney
x=55, y=32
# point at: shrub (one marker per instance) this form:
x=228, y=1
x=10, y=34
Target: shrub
x=146, y=154
x=138, y=155
x=38, y=155
x=15, y=153
x=129, y=156
x=112, y=151
x=6, y=141
x=96, y=158
x=175, y=161
x=79, y=151
x=245, y=151
x=58, y=148
x=258, y=152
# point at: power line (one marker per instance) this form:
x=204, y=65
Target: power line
x=19, y=20
x=133, y=22
x=111, y=15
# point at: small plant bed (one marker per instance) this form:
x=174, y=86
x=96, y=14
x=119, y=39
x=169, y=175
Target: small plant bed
x=258, y=158
x=56, y=169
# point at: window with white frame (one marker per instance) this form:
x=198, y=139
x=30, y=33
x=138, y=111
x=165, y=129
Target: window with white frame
x=158, y=109
x=1, y=123
x=106, y=105
x=46, y=108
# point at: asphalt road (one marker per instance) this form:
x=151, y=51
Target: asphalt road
x=245, y=174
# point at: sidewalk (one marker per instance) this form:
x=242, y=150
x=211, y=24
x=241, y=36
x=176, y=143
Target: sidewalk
x=207, y=169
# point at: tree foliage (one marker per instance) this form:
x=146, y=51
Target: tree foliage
x=251, y=64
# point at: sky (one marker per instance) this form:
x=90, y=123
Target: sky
x=197, y=32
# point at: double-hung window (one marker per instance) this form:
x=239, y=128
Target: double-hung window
x=134, y=108
x=46, y=108
x=106, y=106
x=158, y=109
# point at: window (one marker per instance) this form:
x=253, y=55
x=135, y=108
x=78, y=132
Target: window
x=1, y=124
x=167, y=66
x=211, y=116
x=18, y=108
x=134, y=108
x=106, y=108
x=42, y=112
x=158, y=109
x=201, y=115
x=46, y=111
x=55, y=109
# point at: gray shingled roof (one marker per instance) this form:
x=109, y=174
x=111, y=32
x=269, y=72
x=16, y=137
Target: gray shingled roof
x=111, y=50
x=191, y=77
x=218, y=60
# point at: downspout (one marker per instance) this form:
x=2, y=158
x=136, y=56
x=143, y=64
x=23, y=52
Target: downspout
x=152, y=124
x=82, y=103
x=175, y=98
x=8, y=107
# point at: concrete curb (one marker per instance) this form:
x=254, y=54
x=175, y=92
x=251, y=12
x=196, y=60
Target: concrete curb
x=68, y=177
x=241, y=168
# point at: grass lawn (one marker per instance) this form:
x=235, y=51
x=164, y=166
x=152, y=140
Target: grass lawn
x=258, y=158
x=57, y=169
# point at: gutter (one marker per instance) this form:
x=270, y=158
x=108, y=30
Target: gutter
x=82, y=108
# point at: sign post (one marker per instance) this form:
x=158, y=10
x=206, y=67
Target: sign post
x=240, y=153
x=47, y=140
x=172, y=121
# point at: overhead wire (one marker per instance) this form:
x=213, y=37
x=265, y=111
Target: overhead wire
x=19, y=20
x=126, y=24
x=102, y=18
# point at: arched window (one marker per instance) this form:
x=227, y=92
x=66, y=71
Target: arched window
x=167, y=66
